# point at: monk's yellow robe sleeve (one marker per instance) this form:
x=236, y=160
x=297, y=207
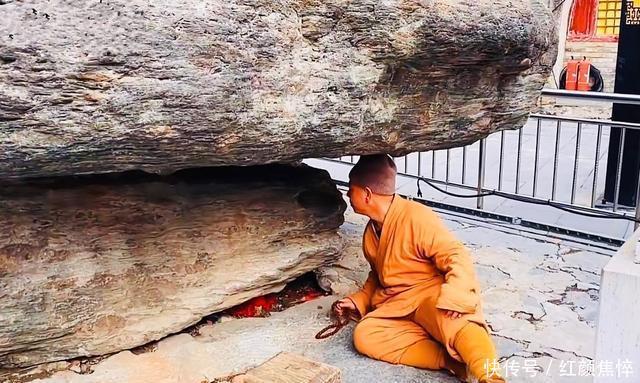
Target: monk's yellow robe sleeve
x=362, y=298
x=460, y=291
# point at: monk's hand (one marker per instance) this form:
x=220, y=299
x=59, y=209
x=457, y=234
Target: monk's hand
x=344, y=305
x=452, y=314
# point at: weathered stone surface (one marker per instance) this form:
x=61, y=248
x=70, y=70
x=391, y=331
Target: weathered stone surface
x=103, y=86
x=94, y=265
x=526, y=282
x=347, y=274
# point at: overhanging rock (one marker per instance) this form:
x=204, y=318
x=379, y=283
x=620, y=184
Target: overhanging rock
x=95, y=87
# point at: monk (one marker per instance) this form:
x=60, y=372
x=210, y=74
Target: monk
x=420, y=305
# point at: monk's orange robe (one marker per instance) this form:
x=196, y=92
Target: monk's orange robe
x=418, y=271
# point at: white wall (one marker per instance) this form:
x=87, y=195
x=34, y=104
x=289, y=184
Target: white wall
x=618, y=332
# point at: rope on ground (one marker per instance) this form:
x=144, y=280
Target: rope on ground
x=340, y=320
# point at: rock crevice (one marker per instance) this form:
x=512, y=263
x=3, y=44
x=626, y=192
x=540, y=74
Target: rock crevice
x=94, y=265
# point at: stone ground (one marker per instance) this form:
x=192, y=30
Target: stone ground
x=540, y=299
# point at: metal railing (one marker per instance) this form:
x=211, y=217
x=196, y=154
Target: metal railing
x=630, y=99
x=567, y=154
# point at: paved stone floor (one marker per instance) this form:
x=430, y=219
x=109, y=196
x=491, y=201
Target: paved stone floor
x=540, y=299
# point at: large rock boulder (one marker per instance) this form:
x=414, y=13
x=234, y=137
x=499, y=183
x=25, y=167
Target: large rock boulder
x=103, y=86
x=94, y=265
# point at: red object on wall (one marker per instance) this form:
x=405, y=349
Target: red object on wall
x=584, y=73
x=583, y=19
x=572, y=75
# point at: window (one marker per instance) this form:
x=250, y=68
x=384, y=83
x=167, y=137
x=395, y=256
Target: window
x=608, y=18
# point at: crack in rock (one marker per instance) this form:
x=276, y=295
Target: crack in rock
x=559, y=254
x=495, y=267
x=525, y=316
x=579, y=269
x=562, y=301
x=529, y=355
x=572, y=353
x=568, y=250
x=521, y=342
x=529, y=317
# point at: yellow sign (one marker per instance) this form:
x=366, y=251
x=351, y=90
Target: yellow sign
x=633, y=12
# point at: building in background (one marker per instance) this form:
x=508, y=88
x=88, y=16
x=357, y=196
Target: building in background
x=593, y=29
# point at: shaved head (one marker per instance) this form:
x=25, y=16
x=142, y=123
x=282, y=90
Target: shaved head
x=377, y=172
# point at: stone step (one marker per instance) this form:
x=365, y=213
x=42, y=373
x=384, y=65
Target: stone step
x=290, y=368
